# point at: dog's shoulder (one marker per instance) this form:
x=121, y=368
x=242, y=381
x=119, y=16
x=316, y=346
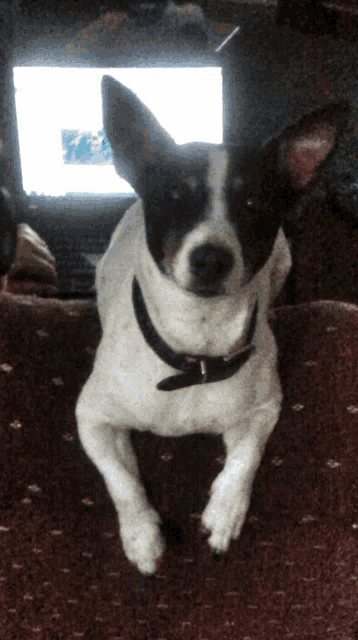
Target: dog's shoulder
x=269, y=281
x=281, y=263
x=121, y=251
x=120, y=257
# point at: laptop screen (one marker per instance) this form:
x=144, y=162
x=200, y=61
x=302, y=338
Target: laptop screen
x=63, y=148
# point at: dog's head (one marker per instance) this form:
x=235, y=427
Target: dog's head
x=212, y=213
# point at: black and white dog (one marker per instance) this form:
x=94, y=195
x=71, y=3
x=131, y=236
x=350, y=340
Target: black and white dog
x=183, y=293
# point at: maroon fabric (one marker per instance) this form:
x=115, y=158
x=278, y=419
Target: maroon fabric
x=325, y=254
x=63, y=575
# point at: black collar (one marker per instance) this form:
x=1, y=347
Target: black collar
x=197, y=370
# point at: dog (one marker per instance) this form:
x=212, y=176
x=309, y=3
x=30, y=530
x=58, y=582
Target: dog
x=183, y=293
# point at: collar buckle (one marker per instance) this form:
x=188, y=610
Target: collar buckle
x=204, y=371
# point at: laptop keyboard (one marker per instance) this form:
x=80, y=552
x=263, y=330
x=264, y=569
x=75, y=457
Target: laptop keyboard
x=77, y=253
x=77, y=241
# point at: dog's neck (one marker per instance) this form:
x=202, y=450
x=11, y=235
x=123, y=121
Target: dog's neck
x=189, y=323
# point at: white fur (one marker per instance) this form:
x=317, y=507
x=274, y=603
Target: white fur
x=121, y=393
x=216, y=228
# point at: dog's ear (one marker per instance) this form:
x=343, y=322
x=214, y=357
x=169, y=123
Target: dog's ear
x=136, y=137
x=303, y=148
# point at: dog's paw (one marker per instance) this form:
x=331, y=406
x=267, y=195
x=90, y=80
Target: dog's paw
x=142, y=541
x=223, y=519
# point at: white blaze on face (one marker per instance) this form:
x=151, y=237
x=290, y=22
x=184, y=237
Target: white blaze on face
x=215, y=229
x=216, y=180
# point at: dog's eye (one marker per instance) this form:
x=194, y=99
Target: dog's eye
x=177, y=191
x=251, y=203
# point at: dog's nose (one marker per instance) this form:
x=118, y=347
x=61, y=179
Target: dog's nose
x=210, y=263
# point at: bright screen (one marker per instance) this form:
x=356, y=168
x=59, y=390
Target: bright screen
x=63, y=150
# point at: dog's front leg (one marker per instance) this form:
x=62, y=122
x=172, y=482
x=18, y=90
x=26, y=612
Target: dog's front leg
x=111, y=451
x=226, y=510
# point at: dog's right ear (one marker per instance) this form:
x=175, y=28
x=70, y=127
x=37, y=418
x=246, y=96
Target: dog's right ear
x=136, y=137
x=305, y=146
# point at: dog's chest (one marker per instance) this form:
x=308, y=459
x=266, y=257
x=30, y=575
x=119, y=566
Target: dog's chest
x=127, y=372
x=133, y=399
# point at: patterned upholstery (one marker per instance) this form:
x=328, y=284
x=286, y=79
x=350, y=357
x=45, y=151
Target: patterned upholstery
x=292, y=574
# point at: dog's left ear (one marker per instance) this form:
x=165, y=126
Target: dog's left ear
x=303, y=148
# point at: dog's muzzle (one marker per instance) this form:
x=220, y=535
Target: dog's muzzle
x=197, y=369
x=210, y=263
x=209, y=266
